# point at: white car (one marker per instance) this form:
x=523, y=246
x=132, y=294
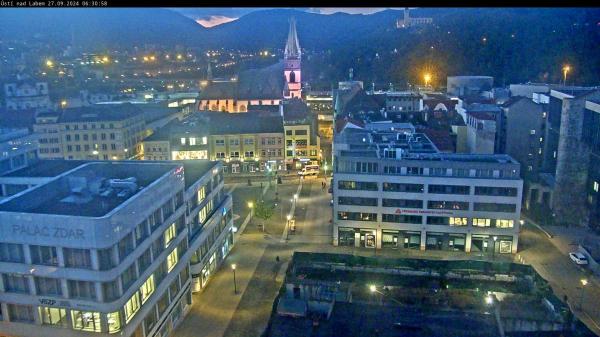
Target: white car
x=578, y=258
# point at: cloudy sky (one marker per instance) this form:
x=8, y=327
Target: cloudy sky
x=210, y=17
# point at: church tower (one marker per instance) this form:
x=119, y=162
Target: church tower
x=291, y=67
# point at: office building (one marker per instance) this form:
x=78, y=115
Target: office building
x=110, y=248
x=394, y=190
x=105, y=132
x=18, y=149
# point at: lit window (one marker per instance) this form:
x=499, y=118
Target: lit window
x=192, y=141
x=172, y=260
x=596, y=186
x=86, y=320
x=501, y=223
x=201, y=194
x=532, y=131
x=182, y=141
x=204, y=140
x=132, y=306
x=114, y=322
x=53, y=316
x=458, y=221
x=481, y=222
x=147, y=288
x=170, y=234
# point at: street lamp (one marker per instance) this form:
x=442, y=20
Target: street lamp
x=494, y=248
x=584, y=282
x=427, y=78
x=566, y=69
x=489, y=300
x=233, y=266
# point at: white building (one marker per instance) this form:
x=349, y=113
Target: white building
x=393, y=190
x=26, y=94
x=111, y=248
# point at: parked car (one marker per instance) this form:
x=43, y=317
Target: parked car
x=578, y=258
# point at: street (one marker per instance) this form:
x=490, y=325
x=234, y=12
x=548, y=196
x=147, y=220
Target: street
x=217, y=311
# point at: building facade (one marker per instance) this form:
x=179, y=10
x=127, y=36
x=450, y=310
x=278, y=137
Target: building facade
x=18, y=149
x=395, y=191
x=111, y=132
x=112, y=248
x=26, y=94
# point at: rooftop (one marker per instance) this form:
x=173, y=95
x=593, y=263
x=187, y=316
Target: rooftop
x=91, y=190
x=223, y=123
x=46, y=168
x=100, y=113
x=263, y=83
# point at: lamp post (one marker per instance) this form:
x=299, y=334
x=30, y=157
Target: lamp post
x=584, y=282
x=287, y=234
x=233, y=266
x=373, y=289
x=494, y=248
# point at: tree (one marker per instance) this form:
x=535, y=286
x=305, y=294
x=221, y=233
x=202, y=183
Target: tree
x=264, y=211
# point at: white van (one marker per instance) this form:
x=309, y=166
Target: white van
x=309, y=170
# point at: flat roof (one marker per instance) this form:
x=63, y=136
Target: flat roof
x=47, y=168
x=86, y=190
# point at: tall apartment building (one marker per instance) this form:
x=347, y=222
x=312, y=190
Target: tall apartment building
x=111, y=248
x=394, y=190
x=91, y=133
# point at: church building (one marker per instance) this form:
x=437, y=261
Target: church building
x=258, y=89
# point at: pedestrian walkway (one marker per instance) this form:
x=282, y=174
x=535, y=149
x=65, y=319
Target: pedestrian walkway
x=213, y=308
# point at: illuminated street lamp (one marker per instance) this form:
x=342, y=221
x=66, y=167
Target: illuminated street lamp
x=494, y=248
x=49, y=63
x=250, y=204
x=489, y=300
x=63, y=104
x=427, y=78
x=566, y=69
x=584, y=283
x=233, y=266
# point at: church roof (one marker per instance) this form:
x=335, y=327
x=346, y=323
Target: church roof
x=292, y=46
x=263, y=83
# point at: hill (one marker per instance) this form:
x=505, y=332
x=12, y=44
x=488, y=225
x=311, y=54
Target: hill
x=513, y=45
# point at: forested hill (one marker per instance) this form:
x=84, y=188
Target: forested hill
x=512, y=45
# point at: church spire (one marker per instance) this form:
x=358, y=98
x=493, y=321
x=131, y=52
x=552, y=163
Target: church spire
x=292, y=47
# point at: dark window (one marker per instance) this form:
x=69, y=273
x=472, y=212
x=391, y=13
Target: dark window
x=44, y=255
x=449, y=189
x=398, y=218
x=357, y=201
x=408, y=188
x=11, y=252
x=404, y=203
x=496, y=191
x=77, y=258
x=494, y=207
